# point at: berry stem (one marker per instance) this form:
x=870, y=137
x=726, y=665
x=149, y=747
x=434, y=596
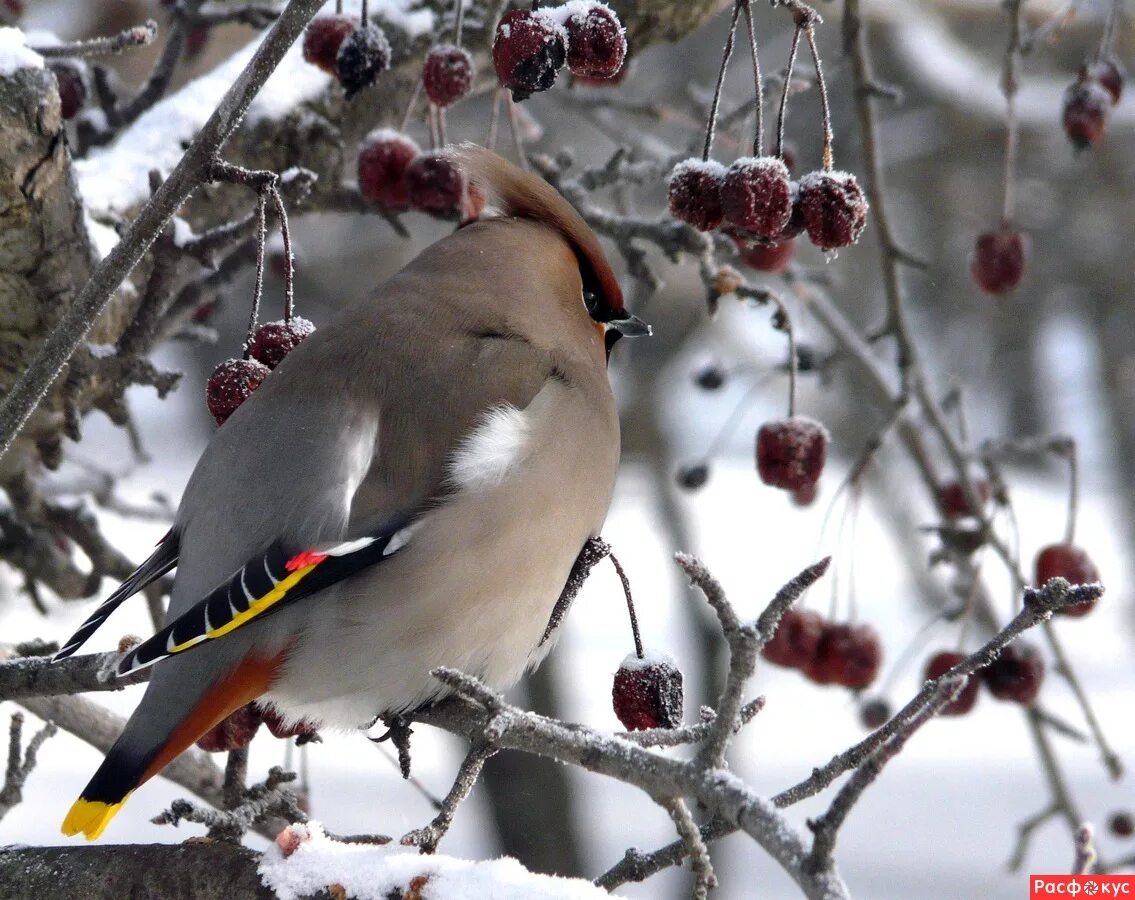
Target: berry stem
x=410, y=106
x=711, y=124
x=630, y=604
x=782, y=113
x=434, y=130
x=514, y=127
x=829, y=155
x=365, y=14
x=758, y=84
x=783, y=321
x=258, y=289
x=441, y=126
x=1073, y=493
x=459, y=22
x=1110, y=27
x=289, y=262
x=1010, y=79
x=494, y=119
x=338, y=7
x=735, y=417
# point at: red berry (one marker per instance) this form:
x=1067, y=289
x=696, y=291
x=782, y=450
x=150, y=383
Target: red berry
x=791, y=452
x=447, y=74
x=952, y=498
x=875, y=713
x=276, y=724
x=231, y=383
x=272, y=341
x=833, y=208
x=383, y=160
x=772, y=258
x=1109, y=73
x=805, y=495
x=1072, y=563
x=434, y=184
x=757, y=196
x=596, y=42
x=72, y=86
x=1087, y=105
x=647, y=693
x=795, y=640
x=362, y=57
x=692, y=477
x=848, y=655
x=695, y=193
x=939, y=664
x=529, y=48
x=232, y=733
x=998, y=261
x=14, y=7
x=1016, y=674
x=323, y=38
x=1122, y=824
x=196, y=40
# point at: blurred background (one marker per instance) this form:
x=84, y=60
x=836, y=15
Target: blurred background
x=1056, y=356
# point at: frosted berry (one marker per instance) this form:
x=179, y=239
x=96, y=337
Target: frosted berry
x=1072, y=563
x=72, y=87
x=1087, y=105
x=323, y=38
x=647, y=693
x=875, y=713
x=597, y=43
x=275, y=723
x=833, y=208
x=692, y=477
x=848, y=655
x=953, y=502
x=795, y=640
x=232, y=733
x=772, y=257
x=231, y=383
x=362, y=57
x=383, y=160
x=529, y=48
x=1016, y=675
x=791, y=452
x=998, y=261
x=756, y=195
x=695, y=193
x=805, y=495
x=1109, y=73
x=272, y=341
x=435, y=185
x=939, y=664
x=447, y=74
x=1121, y=824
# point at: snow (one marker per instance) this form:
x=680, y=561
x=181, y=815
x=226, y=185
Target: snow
x=759, y=166
x=15, y=53
x=817, y=178
x=304, y=861
x=694, y=165
x=650, y=657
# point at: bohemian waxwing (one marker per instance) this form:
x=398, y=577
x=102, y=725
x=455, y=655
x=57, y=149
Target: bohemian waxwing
x=409, y=489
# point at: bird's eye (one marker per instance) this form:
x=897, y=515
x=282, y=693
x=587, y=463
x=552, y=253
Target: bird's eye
x=591, y=301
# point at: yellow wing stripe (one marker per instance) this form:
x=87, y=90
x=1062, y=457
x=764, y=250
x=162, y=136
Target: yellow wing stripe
x=255, y=608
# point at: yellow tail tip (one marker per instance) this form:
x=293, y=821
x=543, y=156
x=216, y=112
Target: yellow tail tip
x=90, y=817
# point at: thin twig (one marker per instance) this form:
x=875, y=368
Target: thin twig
x=127, y=39
x=426, y=839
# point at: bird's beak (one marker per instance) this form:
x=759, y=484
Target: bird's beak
x=630, y=326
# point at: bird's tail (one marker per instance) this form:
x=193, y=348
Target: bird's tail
x=148, y=743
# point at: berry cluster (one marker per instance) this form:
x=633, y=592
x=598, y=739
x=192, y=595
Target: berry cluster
x=826, y=652
x=647, y=692
x=1089, y=100
x=531, y=45
x=394, y=172
x=343, y=46
x=1015, y=676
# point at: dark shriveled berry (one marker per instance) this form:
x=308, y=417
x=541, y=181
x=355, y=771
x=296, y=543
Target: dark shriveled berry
x=875, y=713
x=362, y=57
x=231, y=383
x=72, y=86
x=1087, y=105
x=998, y=261
x=710, y=378
x=952, y=498
x=1016, y=675
x=773, y=257
x=1072, y=563
x=276, y=724
x=695, y=193
x=756, y=196
x=435, y=184
x=529, y=48
x=647, y=693
x=383, y=160
x=272, y=341
x=1109, y=73
x=791, y=452
x=447, y=74
x=795, y=640
x=596, y=43
x=323, y=38
x=692, y=477
x=1121, y=824
x=847, y=655
x=232, y=733
x=941, y=663
x=833, y=208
